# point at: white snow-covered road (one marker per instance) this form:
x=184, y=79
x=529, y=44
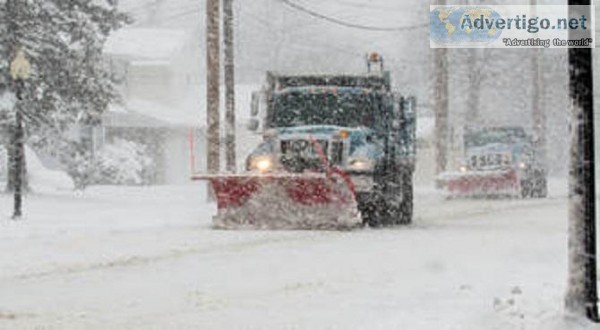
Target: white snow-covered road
x=128, y=258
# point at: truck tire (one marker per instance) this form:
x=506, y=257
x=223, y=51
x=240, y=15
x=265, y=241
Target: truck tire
x=371, y=209
x=540, y=186
x=526, y=188
x=391, y=214
x=391, y=201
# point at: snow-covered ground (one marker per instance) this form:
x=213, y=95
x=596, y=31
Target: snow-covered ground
x=128, y=258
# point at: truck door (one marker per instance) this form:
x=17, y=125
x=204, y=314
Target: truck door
x=404, y=126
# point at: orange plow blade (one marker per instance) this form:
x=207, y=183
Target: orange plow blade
x=284, y=201
x=482, y=183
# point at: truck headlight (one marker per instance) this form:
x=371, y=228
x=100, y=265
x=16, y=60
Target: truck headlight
x=363, y=165
x=261, y=164
x=463, y=169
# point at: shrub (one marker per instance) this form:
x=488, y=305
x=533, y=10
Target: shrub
x=124, y=163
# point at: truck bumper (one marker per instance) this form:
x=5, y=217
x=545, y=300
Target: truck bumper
x=477, y=183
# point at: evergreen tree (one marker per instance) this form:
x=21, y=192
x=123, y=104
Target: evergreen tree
x=70, y=83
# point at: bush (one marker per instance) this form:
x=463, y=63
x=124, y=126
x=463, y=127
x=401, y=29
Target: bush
x=80, y=164
x=124, y=163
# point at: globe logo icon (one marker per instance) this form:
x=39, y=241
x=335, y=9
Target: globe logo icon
x=463, y=26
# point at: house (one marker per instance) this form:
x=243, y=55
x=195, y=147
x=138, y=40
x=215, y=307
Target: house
x=163, y=106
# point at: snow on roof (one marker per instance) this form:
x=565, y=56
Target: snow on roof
x=144, y=113
x=146, y=44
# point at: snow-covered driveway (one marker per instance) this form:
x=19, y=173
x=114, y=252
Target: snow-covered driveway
x=117, y=258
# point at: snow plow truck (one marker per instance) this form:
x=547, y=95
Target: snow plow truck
x=498, y=161
x=337, y=152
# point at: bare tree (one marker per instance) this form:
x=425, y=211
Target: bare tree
x=537, y=111
x=475, y=79
x=475, y=64
x=440, y=107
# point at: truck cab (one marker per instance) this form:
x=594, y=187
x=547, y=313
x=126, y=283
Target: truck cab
x=353, y=123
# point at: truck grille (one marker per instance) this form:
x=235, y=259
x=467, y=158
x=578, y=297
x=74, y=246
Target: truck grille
x=490, y=161
x=300, y=155
x=303, y=148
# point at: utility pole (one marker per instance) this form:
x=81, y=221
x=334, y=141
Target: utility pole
x=472, y=113
x=538, y=114
x=212, y=86
x=582, y=292
x=228, y=36
x=440, y=98
x=440, y=107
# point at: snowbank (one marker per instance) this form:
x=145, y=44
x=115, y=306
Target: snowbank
x=42, y=179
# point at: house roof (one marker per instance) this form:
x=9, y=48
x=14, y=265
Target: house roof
x=143, y=113
x=146, y=44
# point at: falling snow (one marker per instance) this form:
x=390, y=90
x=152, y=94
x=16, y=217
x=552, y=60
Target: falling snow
x=377, y=183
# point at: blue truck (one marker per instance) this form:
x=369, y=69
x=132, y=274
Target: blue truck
x=501, y=160
x=337, y=150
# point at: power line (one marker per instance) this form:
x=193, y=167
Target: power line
x=348, y=24
x=306, y=45
x=377, y=7
x=180, y=15
x=190, y=8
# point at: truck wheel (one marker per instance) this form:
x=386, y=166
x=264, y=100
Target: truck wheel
x=377, y=212
x=370, y=210
x=369, y=215
x=541, y=185
x=526, y=188
x=391, y=214
x=406, y=213
x=391, y=203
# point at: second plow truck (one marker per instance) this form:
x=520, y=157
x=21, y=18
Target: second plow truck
x=498, y=161
x=338, y=151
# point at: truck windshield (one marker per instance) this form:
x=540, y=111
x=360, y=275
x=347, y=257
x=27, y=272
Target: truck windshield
x=494, y=135
x=347, y=109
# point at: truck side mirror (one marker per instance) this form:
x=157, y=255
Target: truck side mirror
x=405, y=119
x=255, y=106
x=411, y=104
x=398, y=113
x=253, y=125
